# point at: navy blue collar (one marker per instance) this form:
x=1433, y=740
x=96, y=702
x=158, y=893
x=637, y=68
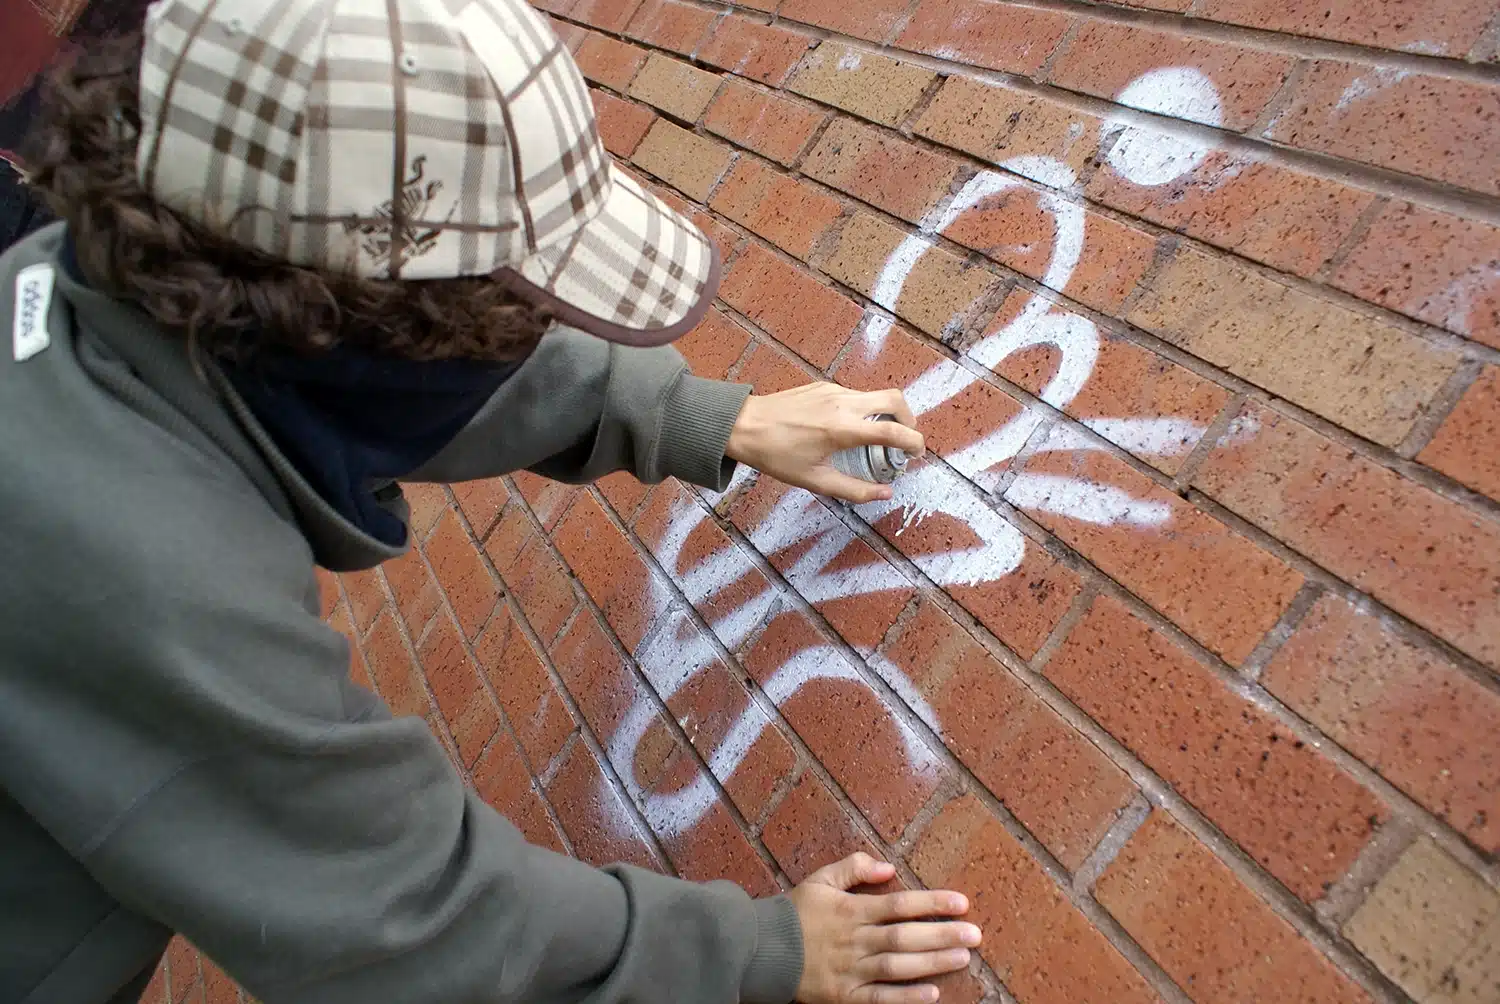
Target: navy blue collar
x=350, y=422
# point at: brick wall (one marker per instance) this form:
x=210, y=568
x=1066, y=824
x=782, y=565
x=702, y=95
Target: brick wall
x=1180, y=656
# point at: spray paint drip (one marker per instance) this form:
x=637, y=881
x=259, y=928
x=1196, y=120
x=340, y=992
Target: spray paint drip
x=880, y=464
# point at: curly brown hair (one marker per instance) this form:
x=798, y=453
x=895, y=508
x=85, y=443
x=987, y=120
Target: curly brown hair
x=220, y=295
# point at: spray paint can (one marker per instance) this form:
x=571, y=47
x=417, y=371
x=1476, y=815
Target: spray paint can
x=876, y=463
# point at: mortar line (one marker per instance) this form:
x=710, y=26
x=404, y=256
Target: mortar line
x=1438, y=408
x=1353, y=239
x=1130, y=819
x=1279, y=633
x=1439, y=195
x=505, y=599
x=584, y=729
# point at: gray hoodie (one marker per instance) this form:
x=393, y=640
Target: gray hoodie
x=181, y=748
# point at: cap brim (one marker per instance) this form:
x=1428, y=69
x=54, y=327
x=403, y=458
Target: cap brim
x=637, y=273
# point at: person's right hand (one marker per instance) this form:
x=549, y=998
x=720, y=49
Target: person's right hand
x=856, y=946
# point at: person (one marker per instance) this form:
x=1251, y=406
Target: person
x=310, y=249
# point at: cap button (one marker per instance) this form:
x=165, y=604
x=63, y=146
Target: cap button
x=234, y=26
x=408, y=64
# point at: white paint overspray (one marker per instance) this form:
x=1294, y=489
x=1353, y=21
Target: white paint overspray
x=1145, y=157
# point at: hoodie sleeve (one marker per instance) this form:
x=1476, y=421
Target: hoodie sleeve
x=195, y=742
x=581, y=408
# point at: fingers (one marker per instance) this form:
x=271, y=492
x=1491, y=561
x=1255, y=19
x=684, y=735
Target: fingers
x=919, y=936
x=855, y=870
x=914, y=904
x=904, y=967
x=842, y=486
x=880, y=993
x=894, y=434
x=888, y=402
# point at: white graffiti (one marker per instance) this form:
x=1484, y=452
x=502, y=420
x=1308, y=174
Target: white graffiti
x=959, y=488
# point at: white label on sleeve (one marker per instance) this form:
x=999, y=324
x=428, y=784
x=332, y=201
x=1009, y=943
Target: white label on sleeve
x=33, y=303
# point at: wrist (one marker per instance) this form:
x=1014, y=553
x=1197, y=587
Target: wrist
x=748, y=430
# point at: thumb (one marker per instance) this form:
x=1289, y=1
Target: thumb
x=855, y=870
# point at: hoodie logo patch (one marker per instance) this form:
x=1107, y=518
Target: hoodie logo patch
x=29, y=333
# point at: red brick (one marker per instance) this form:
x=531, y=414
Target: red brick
x=1273, y=214
x=1410, y=713
x=1279, y=799
x=714, y=708
x=519, y=677
x=816, y=552
x=769, y=371
x=1006, y=126
x=810, y=829
x=182, y=968
x=872, y=20
x=1017, y=229
x=688, y=162
x=598, y=677
x=541, y=585
x=571, y=34
x=808, y=317
x=218, y=988
x=712, y=848
x=788, y=212
x=1407, y=546
x=861, y=82
x=677, y=88
x=1467, y=446
x=607, y=15
x=609, y=568
x=1216, y=585
x=1435, y=27
x=610, y=62
x=417, y=595
x=395, y=673
x=1438, y=268
x=1372, y=377
x=156, y=991
x=481, y=503
x=470, y=587
x=900, y=359
x=622, y=124
x=366, y=597
x=1128, y=383
x=1206, y=929
x=509, y=535
x=761, y=52
x=620, y=489
x=1104, y=57
x=710, y=349
x=548, y=499
x=884, y=170
x=942, y=293
x=670, y=25
x=1059, y=785
x=502, y=780
x=861, y=741
x=985, y=33
x=1038, y=943
x=456, y=687
x=329, y=596
x=594, y=813
x=730, y=585
x=359, y=669
x=428, y=502
x=1397, y=119
x=771, y=124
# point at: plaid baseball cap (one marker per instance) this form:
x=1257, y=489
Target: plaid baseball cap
x=412, y=139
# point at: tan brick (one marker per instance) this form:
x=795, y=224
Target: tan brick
x=1370, y=377
x=867, y=84
x=1000, y=124
x=882, y=169
x=1422, y=918
x=675, y=87
x=608, y=61
x=943, y=295
x=685, y=160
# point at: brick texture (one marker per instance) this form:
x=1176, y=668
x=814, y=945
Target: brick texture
x=1178, y=652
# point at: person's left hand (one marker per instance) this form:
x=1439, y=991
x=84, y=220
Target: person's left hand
x=791, y=435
